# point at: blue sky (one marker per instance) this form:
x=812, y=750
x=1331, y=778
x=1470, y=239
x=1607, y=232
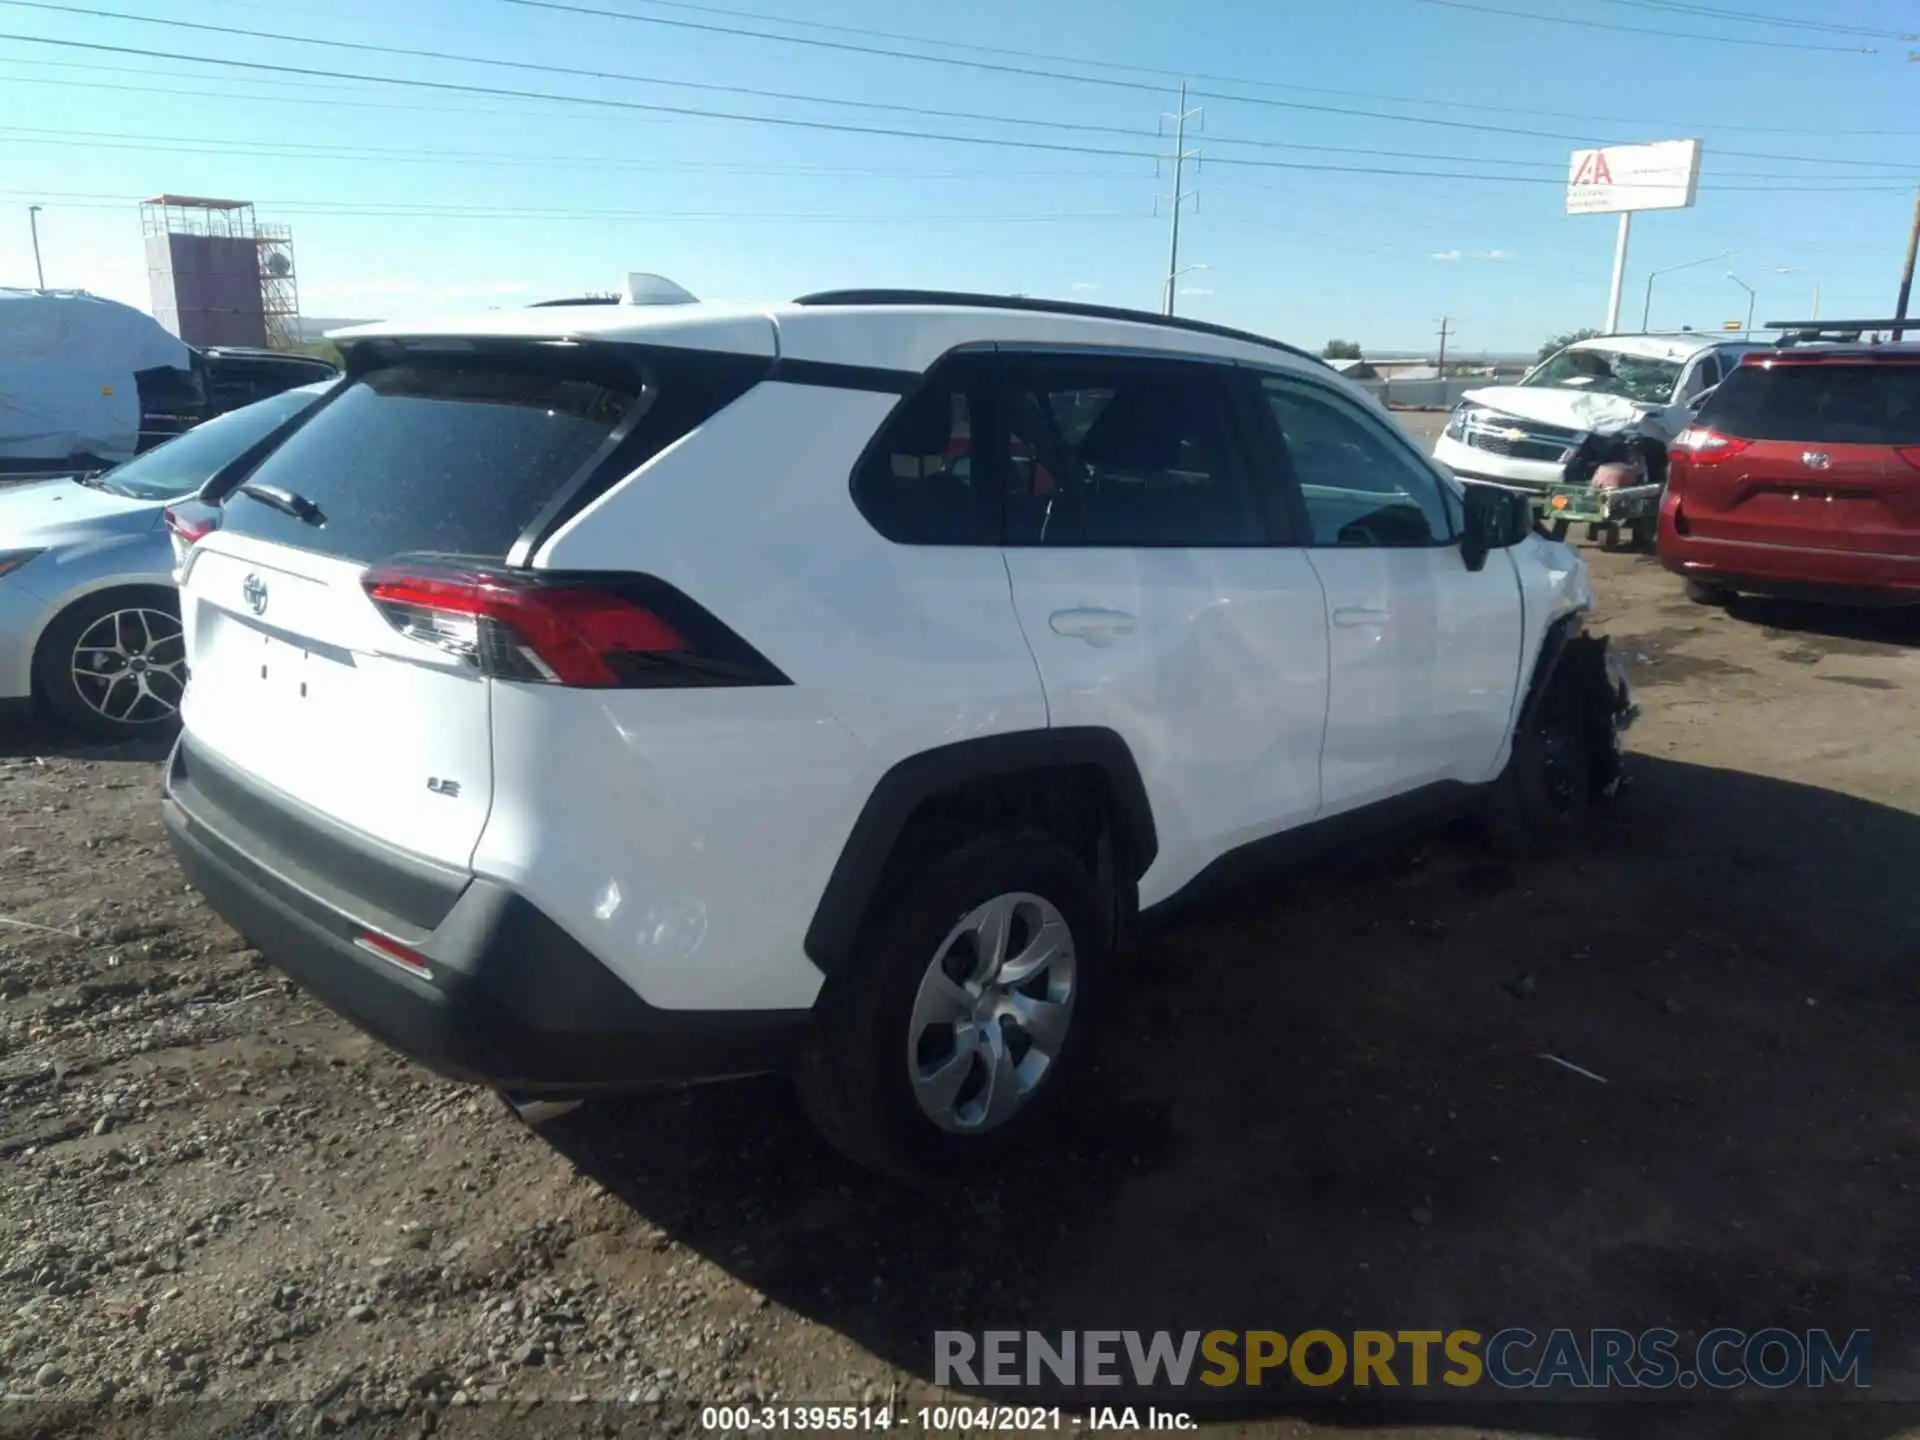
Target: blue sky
x=408, y=200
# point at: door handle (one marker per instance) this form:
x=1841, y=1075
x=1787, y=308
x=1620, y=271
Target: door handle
x=1096, y=627
x=1352, y=615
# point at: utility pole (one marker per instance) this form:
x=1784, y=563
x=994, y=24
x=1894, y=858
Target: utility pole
x=1180, y=158
x=40, y=275
x=1906, y=275
x=1445, y=321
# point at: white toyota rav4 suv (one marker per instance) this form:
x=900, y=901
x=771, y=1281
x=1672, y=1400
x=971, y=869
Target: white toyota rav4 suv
x=597, y=696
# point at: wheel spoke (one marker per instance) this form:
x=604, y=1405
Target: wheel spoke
x=940, y=1085
x=106, y=704
x=993, y=923
x=1045, y=1021
x=1051, y=941
x=1003, y=1093
x=940, y=1002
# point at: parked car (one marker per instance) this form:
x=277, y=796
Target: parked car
x=237, y=375
x=1801, y=476
x=651, y=693
x=1633, y=388
x=87, y=384
x=89, y=619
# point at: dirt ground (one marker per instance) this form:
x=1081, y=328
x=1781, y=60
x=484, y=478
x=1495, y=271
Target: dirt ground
x=224, y=1212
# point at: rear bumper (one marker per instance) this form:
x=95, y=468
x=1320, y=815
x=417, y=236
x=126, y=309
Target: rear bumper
x=510, y=999
x=1792, y=570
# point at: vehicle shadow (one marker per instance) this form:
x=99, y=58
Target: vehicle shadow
x=33, y=737
x=1876, y=628
x=1330, y=1105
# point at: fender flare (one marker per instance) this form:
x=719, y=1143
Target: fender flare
x=849, y=891
x=1553, y=645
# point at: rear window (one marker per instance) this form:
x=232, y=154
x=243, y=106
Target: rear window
x=458, y=455
x=1819, y=403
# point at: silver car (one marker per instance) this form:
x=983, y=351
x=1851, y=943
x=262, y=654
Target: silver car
x=89, y=617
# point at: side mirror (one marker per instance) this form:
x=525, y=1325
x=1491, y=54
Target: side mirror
x=1496, y=518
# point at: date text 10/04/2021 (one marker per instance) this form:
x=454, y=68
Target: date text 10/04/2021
x=943, y=1419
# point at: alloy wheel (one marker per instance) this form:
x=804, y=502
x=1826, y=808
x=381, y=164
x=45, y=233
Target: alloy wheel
x=130, y=666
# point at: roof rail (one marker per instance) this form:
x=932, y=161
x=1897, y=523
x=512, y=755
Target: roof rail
x=969, y=300
x=1910, y=323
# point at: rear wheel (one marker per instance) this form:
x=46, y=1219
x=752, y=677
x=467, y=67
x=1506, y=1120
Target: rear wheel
x=952, y=1030
x=1705, y=592
x=115, y=664
x=1640, y=534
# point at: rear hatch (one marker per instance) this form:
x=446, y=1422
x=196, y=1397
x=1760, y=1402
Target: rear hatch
x=336, y=619
x=1814, y=452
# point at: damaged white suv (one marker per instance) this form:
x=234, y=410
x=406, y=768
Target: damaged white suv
x=1612, y=385
x=593, y=696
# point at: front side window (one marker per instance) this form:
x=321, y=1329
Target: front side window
x=1359, y=484
x=1123, y=453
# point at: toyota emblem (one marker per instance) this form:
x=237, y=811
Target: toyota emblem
x=254, y=590
x=1816, y=459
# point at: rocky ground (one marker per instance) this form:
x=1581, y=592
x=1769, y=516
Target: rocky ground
x=224, y=1212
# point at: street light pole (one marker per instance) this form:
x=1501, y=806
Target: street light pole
x=33, y=224
x=1646, y=311
x=1752, y=295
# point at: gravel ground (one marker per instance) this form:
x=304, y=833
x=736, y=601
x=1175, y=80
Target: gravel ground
x=225, y=1212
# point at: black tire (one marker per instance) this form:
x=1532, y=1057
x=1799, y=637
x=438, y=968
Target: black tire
x=1540, y=802
x=1560, y=529
x=1705, y=592
x=853, y=1075
x=101, y=708
x=1640, y=534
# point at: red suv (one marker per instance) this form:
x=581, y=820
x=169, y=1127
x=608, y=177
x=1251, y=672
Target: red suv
x=1801, y=476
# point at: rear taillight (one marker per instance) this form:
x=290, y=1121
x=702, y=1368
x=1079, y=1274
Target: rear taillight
x=1708, y=447
x=597, y=632
x=1910, y=454
x=188, y=529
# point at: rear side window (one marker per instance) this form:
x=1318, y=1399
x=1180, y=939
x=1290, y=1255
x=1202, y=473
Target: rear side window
x=1842, y=403
x=458, y=455
x=923, y=480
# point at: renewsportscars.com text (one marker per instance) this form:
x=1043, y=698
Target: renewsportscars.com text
x=1510, y=1359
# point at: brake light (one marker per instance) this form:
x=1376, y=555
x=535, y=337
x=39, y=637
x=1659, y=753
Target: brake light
x=554, y=629
x=1910, y=454
x=188, y=529
x=1708, y=447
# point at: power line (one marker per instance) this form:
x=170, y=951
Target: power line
x=1750, y=17
x=1175, y=76
x=827, y=126
x=220, y=145
x=415, y=53
x=1644, y=30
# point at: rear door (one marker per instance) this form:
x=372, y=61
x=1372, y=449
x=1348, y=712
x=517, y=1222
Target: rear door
x=1161, y=596
x=297, y=677
x=1810, y=453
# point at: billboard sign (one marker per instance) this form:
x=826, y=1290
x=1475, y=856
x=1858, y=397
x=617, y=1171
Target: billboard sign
x=1661, y=176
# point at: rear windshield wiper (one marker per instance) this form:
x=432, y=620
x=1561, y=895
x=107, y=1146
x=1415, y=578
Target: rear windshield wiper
x=287, y=501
